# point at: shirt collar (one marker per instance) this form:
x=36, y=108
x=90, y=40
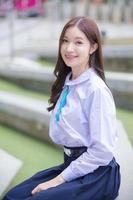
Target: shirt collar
x=81, y=78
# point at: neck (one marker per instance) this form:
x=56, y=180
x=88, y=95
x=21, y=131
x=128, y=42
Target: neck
x=76, y=73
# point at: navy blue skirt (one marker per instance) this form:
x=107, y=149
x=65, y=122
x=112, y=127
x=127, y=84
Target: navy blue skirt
x=102, y=184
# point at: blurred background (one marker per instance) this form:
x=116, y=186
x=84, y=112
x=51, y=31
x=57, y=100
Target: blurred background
x=29, y=33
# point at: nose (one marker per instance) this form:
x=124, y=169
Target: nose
x=70, y=47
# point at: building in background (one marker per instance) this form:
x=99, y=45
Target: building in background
x=115, y=11
x=22, y=7
x=29, y=7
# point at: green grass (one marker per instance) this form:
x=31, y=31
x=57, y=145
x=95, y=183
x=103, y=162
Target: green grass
x=35, y=154
x=127, y=119
x=45, y=63
x=13, y=88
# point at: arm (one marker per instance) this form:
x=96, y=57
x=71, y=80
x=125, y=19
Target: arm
x=48, y=184
x=101, y=116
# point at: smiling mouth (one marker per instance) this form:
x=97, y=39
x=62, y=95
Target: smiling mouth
x=70, y=57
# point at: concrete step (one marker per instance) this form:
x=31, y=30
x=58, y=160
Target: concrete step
x=9, y=166
x=26, y=114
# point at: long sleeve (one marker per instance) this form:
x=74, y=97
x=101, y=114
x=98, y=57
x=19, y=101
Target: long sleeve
x=100, y=112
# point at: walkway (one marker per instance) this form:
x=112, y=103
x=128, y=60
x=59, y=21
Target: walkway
x=39, y=36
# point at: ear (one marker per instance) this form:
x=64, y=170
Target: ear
x=93, y=48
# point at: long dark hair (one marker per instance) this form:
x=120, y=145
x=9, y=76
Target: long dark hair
x=90, y=29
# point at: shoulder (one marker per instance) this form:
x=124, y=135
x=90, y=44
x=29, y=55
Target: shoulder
x=93, y=85
x=98, y=92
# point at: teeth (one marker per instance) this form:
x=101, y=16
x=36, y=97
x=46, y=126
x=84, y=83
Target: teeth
x=70, y=56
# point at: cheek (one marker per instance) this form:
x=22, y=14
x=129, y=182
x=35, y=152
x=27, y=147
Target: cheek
x=84, y=57
x=85, y=52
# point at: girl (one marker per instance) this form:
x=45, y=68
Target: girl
x=83, y=122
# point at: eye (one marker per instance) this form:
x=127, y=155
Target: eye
x=79, y=42
x=64, y=41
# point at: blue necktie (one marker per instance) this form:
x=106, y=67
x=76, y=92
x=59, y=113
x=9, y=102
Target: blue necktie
x=62, y=102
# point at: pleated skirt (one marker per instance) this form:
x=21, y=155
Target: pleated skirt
x=102, y=184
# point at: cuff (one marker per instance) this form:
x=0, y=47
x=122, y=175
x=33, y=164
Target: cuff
x=68, y=174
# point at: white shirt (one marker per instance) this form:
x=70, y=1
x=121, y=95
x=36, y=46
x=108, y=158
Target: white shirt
x=88, y=119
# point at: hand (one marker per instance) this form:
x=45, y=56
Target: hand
x=48, y=184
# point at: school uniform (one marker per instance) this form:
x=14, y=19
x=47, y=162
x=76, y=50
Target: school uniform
x=83, y=122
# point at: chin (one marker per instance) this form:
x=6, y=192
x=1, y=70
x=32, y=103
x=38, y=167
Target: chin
x=72, y=65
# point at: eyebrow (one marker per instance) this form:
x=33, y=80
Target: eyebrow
x=75, y=37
